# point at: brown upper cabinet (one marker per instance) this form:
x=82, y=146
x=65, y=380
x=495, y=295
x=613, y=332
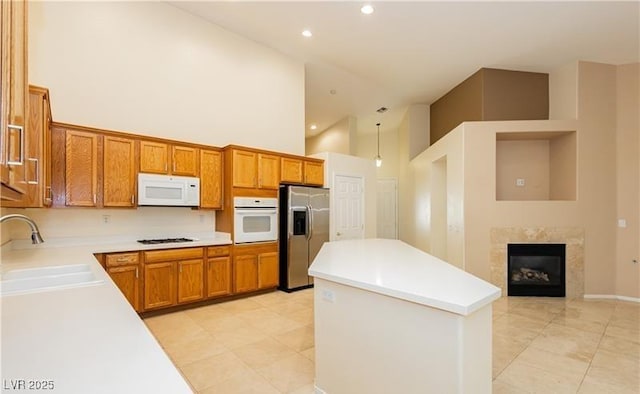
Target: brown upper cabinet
x=313, y=173
x=119, y=168
x=291, y=170
x=14, y=90
x=255, y=170
x=93, y=170
x=37, y=163
x=162, y=158
x=302, y=171
x=268, y=171
x=81, y=168
x=210, y=179
x=244, y=168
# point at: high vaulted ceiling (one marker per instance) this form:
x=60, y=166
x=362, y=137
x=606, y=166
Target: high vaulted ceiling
x=414, y=52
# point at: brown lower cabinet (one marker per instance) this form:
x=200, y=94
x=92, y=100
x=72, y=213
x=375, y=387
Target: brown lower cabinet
x=159, y=285
x=255, y=267
x=157, y=279
x=218, y=271
x=190, y=280
x=124, y=270
x=173, y=276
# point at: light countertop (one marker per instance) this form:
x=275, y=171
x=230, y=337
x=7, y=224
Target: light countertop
x=84, y=339
x=396, y=269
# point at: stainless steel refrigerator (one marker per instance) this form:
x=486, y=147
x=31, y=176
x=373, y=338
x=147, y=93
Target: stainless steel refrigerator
x=304, y=228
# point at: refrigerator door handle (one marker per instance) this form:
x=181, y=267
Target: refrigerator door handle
x=310, y=222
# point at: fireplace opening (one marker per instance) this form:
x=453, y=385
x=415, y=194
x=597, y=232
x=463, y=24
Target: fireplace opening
x=536, y=270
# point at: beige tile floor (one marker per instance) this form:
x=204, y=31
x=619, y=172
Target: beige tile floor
x=264, y=344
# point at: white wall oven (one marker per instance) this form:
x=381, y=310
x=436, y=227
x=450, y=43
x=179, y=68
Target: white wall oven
x=255, y=219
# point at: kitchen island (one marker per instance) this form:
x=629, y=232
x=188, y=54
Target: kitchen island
x=391, y=318
x=83, y=339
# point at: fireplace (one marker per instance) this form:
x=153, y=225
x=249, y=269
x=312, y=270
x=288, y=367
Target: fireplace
x=536, y=270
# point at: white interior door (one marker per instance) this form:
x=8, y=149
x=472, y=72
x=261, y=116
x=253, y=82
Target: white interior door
x=387, y=208
x=349, y=207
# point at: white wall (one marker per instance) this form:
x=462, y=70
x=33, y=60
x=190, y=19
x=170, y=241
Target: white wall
x=563, y=92
x=338, y=164
x=367, y=148
x=339, y=138
x=145, y=222
x=419, y=116
x=150, y=68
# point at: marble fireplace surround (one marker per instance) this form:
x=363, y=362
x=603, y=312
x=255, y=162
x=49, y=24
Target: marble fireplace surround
x=572, y=237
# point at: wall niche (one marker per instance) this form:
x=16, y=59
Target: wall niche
x=536, y=166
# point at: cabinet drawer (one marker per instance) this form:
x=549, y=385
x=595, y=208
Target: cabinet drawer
x=173, y=254
x=118, y=259
x=214, y=251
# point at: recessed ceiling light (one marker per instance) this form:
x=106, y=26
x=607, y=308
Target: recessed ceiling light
x=367, y=9
x=313, y=127
x=307, y=33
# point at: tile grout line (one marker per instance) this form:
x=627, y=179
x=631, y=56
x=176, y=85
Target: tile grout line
x=597, y=347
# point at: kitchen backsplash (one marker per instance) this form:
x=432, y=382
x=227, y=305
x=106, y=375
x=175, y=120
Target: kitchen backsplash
x=142, y=222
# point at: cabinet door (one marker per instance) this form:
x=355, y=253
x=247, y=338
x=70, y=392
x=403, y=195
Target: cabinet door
x=185, y=161
x=81, y=171
x=268, y=171
x=5, y=45
x=154, y=157
x=36, y=175
x=245, y=273
x=128, y=281
x=244, y=168
x=119, y=172
x=291, y=170
x=190, y=280
x=268, y=270
x=210, y=179
x=218, y=276
x=13, y=85
x=313, y=173
x=159, y=285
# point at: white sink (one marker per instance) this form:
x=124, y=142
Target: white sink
x=33, y=280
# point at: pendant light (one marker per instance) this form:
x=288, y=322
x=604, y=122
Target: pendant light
x=378, y=158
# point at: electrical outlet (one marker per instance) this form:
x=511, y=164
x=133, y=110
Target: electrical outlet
x=328, y=295
x=520, y=182
x=106, y=219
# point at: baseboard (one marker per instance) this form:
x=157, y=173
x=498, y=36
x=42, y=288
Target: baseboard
x=612, y=297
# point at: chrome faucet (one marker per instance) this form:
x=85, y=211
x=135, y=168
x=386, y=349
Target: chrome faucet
x=35, y=233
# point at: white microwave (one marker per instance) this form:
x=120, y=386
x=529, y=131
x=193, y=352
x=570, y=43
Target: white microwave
x=168, y=190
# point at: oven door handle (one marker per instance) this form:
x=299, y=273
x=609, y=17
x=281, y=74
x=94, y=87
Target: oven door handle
x=255, y=212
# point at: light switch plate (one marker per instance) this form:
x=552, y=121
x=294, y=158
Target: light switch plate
x=622, y=223
x=520, y=182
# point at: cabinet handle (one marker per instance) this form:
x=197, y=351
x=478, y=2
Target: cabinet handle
x=180, y=268
x=132, y=199
x=165, y=167
x=95, y=199
x=37, y=165
x=173, y=167
x=136, y=272
x=21, y=161
x=122, y=259
x=48, y=193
